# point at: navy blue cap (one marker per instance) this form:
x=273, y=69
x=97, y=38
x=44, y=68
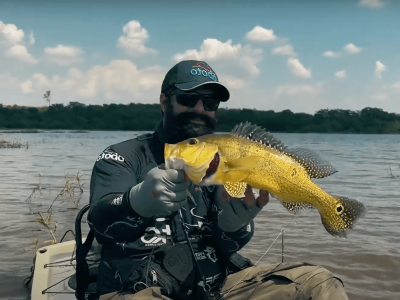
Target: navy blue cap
x=196, y=76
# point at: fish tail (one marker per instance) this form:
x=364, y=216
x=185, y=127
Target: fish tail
x=340, y=217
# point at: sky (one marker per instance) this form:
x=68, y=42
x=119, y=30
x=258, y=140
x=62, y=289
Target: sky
x=302, y=55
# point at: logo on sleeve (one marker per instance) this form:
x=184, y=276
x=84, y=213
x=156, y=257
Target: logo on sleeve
x=109, y=154
x=117, y=201
x=156, y=236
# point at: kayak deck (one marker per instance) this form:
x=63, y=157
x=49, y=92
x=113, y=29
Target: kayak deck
x=54, y=266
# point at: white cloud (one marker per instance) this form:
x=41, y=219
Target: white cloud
x=62, y=51
x=133, y=39
x=38, y=81
x=351, y=48
x=214, y=50
x=340, y=74
x=284, y=50
x=26, y=86
x=260, y=34
x=63, y=55
x=211, y=49
x=233, y=82
x=119, y=81
x=379, y=68
x=298, y=69
x=396, y=85
x=331, y=54
x=19, y=52
x=371, y=3
x=297, y=89
x=31, y=38
x=10, y=33
x=12, y=40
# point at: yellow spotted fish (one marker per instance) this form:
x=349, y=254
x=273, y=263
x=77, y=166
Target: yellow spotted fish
x=251, y=155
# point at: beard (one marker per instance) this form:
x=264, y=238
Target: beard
x=180, y=127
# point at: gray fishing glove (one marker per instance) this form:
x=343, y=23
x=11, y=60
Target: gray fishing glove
x=237, y=213
x=161, y=193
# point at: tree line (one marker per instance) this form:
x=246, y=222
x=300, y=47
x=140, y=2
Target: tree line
x=138, y=117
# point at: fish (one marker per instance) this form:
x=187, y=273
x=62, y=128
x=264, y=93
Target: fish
x=250, y=155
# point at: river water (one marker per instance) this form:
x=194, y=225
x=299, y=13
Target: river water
x=368, y=261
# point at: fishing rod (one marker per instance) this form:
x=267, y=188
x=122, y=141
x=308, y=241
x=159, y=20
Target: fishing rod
x=280, y=233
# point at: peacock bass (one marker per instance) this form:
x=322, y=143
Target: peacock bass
x=250, y=155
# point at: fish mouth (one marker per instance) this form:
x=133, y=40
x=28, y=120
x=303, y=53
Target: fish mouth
x=213, y=166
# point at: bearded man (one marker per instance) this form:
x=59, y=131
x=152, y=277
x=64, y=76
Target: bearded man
x=162, y=236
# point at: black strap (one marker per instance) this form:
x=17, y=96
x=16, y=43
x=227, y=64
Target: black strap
x=82, y=249
x=143, y=139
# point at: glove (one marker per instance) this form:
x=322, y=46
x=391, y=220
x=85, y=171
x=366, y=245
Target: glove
x=236, y=212
x=161, y=193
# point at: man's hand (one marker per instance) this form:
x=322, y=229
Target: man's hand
x=162, y=193
x=238, y=212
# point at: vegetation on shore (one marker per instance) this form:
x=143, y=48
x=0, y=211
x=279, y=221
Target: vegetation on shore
x=72, y=191
x=139, y=117
x=13, y=144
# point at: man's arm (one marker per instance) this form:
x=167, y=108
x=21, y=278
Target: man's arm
x=121, y=207
x=111, y=215
x=233, y=219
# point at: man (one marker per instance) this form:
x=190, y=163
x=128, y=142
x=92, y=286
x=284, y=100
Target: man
x=165, y=237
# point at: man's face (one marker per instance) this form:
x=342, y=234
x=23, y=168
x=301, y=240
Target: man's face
x=184, y=122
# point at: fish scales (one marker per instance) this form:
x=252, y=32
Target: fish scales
x=280, y=175
x=250, y=155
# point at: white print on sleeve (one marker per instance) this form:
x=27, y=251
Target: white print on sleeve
x=158, y=238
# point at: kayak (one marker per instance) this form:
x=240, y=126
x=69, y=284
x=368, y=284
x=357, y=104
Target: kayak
x=54, y=267
x=54, y=276
x=54, y=273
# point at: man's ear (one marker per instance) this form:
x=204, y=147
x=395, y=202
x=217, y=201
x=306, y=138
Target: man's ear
x=163, y=100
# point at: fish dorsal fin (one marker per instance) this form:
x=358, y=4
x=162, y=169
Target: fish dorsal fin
x=257, y=134
x=316, y=166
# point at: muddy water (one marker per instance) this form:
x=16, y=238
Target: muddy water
x=368, y=261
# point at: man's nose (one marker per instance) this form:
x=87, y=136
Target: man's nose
x=199, y=106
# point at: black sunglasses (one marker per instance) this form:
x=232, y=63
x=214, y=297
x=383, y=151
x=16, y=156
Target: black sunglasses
x=190, y=100
x=209, y=104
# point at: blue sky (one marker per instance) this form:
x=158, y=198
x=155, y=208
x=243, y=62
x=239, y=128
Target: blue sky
x=271, y=54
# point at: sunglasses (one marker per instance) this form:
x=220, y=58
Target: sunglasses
x=191, y=100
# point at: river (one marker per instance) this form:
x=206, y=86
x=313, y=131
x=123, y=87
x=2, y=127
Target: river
x=368, y=261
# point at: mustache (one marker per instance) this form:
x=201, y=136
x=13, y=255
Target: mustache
x=185, y=117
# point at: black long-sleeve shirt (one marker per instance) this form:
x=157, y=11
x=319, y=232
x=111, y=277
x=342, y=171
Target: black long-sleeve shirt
x=127, y=238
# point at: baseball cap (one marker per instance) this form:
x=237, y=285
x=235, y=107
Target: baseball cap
x=196, y=76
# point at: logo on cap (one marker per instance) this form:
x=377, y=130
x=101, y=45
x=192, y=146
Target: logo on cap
x=203, y=69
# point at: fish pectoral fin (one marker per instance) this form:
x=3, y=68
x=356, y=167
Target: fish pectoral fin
x=294, y=207
x=243, y=163
x=235, y=189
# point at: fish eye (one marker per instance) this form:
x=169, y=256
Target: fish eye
x=192, y=141
x=339, y=208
